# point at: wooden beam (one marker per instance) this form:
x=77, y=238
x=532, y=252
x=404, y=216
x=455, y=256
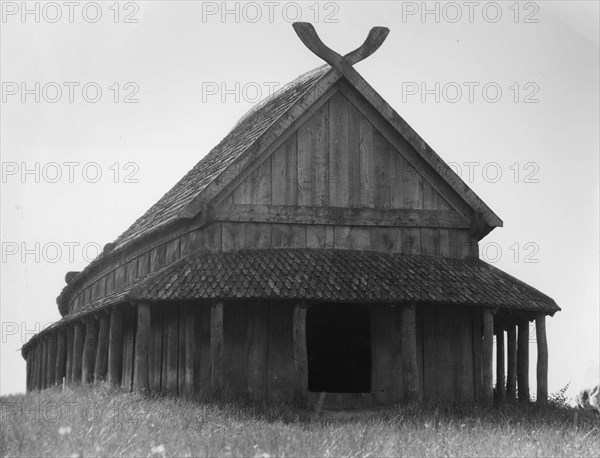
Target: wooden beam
x=542, y=358
x=70, y=346
x=77, y=352
x=181, y=350
x=216, y=347
x=477, y=353
x=61, y=356
x=511, y=377
x=142, y=345
x=410, y=367
x=101, y=367
x=339, y=215
x=172, y=350
x=300, y=353
x=28, y=366
x=52, y=348
x=523, y=361
x=500, y=380
x=33, y=355
x=487, y=351
x=34, y=377
x=115, y=346
x=89, y=350
x=44, y=343
x=190, y=324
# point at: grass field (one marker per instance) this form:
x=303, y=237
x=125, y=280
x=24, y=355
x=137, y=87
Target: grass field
x=102, y=422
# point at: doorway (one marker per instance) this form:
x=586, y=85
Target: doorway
x=338, y=338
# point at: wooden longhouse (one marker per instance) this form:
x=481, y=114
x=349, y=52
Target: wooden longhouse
x=322, y=246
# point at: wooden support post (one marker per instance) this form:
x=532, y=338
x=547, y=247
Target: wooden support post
x=523, y=361
x=44, y=343
x=477, y=353
x=511, y=377
x=61, y=357
x=115, y=346
x=70, y=345
x=190, y=322
x=300, y=353
x=172, y=347
x=89, y=350
x=181, y=350
x=257, y=350
x=52, y=352
x=101, y=366
x=28, y=372
x=142, y=345
x=542, y=358
x=40, y=369
x=77, y=352
x=216, y=347
x=410, y=367
x=487, y=351
x=500, y=381
x=34, y=353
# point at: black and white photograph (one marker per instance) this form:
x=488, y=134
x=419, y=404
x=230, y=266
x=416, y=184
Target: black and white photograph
x=300, y=228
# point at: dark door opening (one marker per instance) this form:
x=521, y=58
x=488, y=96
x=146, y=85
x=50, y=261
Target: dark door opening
x=338, y=338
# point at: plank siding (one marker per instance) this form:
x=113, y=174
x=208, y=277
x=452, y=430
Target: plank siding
x=235, y=349
x=338, y=159
x=383, y=330
x=258, y=316
x=280, y=364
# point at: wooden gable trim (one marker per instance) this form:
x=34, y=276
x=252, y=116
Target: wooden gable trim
x=338, y=216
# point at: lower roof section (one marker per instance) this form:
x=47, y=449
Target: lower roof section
x=340, y=276
x=326, y=275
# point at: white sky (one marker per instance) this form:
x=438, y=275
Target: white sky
x=171, y=55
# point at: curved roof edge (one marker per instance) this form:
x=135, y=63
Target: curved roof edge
x=327, y=275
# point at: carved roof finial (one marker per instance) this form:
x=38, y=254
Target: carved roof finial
x=307, y=33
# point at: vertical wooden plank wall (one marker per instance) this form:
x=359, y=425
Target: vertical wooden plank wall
x=115, y=346
x=216, y=347
x=101, y=367
x=386, y=356
x=235, y=349
x=300, y=353
x=142, y=344
x=129, y=325
x=190, y=349
x=257, y=349
x=89, y=350
x=280, y=364
x=202, y=357
x=78, y=342
x=52, y=348
x=70, y=346
x=410, y=368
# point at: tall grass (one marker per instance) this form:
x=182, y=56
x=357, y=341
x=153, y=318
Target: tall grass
x=104, y=422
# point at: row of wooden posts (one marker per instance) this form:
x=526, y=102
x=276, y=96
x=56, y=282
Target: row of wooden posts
x=512, y=371
x=92, y=350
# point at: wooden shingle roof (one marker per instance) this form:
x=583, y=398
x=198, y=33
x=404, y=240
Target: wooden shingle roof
x=340, y=275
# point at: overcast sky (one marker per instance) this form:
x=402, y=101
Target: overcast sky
x=130, y=98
